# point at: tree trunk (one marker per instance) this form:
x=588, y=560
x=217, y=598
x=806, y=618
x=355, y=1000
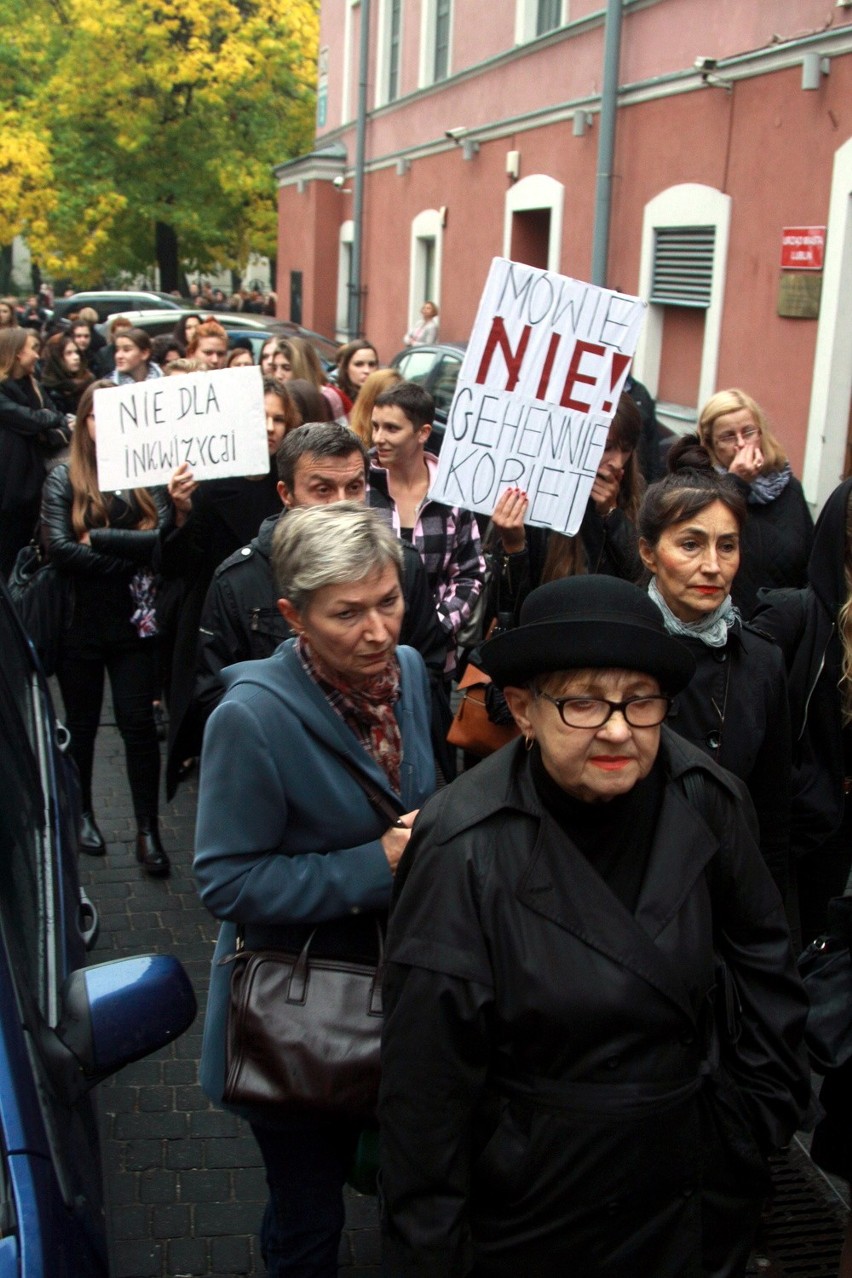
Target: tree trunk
x=5, y=268
x=166, y=249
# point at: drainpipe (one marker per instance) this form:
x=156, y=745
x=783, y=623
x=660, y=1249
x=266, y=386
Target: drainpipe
x=354, y=316
x=606, y=146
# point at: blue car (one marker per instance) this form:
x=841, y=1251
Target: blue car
x=63, y=1026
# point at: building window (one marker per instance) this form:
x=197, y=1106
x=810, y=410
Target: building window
x=435, y=39
x=548, y=17
x=682, y=275
x=532, y=225
x=393, y=49
x=442, y=40
x=425, y=276
x=535, y=18
x=344, y=272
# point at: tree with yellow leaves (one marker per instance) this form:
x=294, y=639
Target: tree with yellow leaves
x=153, y=126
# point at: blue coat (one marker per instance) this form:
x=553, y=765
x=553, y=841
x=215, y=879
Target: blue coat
x=285, y=836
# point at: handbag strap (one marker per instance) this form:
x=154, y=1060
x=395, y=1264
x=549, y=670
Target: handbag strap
x=297, y=986
x=380, y=801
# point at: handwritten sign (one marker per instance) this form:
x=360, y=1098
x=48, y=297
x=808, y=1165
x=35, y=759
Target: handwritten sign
x=538, y=387
x=213, y=420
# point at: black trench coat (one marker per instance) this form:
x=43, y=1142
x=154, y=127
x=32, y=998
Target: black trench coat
x=552, y=1100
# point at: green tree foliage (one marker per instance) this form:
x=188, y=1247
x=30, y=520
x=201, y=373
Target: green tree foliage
x=115, y=116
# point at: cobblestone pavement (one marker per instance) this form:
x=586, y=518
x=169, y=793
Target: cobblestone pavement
x=184, y=1181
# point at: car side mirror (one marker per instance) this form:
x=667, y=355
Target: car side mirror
x=114, y=1013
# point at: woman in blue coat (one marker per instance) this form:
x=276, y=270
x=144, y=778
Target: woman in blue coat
x=287, y=839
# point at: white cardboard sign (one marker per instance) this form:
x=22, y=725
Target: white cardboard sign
x=214, y=420
x=537, y=390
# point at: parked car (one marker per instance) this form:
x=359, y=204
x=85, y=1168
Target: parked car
x=115, y=303
x=257, y=328
x=64, y=1026
x=436, y=369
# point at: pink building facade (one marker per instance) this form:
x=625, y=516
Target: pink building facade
x=733, y=126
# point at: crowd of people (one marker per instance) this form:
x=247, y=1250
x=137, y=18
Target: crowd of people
x=593, y=1023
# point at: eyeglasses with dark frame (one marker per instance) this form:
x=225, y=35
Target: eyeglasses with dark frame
x=594, y=712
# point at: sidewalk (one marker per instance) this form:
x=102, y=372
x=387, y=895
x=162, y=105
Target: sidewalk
x=184, y=1181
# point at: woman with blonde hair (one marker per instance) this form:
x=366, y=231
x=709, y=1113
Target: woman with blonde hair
x=8, y=312
x=361, y=417
x=109, y=544
x=31, y=426
x=779, y=531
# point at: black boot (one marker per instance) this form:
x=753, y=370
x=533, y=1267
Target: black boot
x=90, y=841
x=149, y=850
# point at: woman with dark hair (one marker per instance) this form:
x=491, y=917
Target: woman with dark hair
x=240, y=357
x=63, y=372
x=30, y=427
x=133, y=358
x=355, y=362
x=186, y=328
x=735, y=706
x=526, y=557
x=562, y=1093
x=311, y=403
x=777, y=538
x=166, y=349
x=109, y=545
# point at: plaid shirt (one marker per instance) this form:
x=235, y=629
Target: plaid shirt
x=447, y=540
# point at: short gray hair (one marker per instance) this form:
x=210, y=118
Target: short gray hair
x=317, y=546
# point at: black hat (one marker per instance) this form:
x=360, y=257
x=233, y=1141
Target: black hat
x=594, y=622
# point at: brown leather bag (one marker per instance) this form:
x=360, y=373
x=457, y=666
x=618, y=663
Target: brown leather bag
x=304, y=1033
x=471, y=729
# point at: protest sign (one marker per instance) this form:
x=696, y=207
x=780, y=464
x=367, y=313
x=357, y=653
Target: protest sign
x=213, y=420
x=537, y=389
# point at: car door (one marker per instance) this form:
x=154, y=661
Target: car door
x=50, y=1193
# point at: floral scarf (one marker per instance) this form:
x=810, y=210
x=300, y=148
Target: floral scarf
x=367, y=711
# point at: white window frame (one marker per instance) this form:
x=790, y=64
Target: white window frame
x=831, y=388
x=428, y=25
x=383, y=52
x=426, y=226
x=538, y=191
x=526, y=17
x=689, y=204
x=347, y=112
x=344, y=267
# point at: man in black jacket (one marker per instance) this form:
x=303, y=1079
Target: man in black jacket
x=318, y=463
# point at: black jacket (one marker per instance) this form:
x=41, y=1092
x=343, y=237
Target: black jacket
x=102, y=570
x=551, y=1084
x=26, y=426
x=735, y=709
x=774, y=546
x=804, y=625
x=610, y=546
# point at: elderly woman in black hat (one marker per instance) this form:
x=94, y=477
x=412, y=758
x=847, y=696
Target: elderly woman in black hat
x=593, y=1022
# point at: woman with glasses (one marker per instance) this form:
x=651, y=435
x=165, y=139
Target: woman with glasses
x=735, y=708
x=776, y=541
x=559, y=1095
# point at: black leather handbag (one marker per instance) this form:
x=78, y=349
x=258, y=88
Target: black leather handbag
x=43, y=598
x=304, y=1033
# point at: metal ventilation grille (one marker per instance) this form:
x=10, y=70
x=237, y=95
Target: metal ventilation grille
x=683, y=265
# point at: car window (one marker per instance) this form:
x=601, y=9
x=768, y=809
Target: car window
x=415, y=366
x=443, y=383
